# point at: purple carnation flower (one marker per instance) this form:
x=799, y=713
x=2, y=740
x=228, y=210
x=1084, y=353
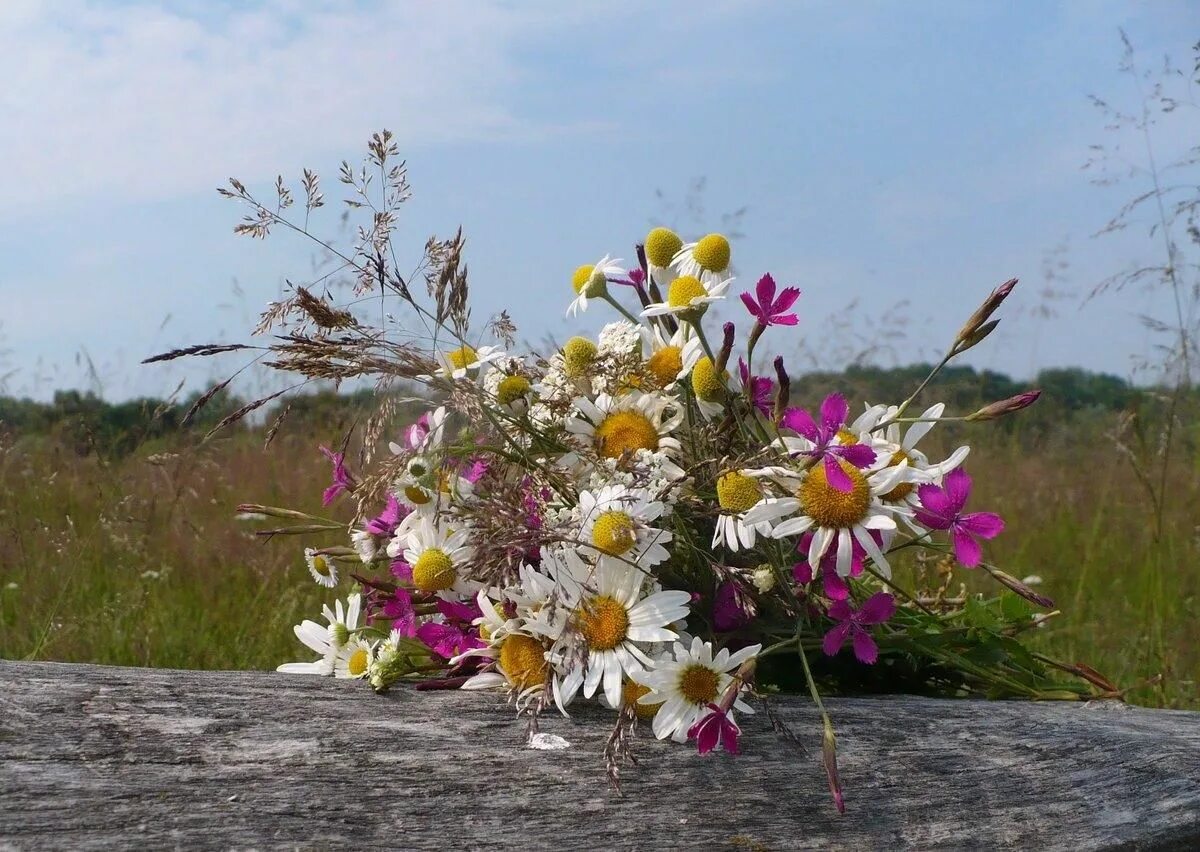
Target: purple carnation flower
x=941, y=509
x=824, y=438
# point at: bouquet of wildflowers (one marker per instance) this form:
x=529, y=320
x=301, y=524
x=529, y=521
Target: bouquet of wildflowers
x=645, y=519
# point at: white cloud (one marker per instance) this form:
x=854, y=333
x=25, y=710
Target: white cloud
x=146, y=101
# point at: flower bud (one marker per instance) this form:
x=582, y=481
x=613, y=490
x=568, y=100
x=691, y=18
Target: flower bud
x=726, y=348
x=981, y=315
x=783, y=393
x=1011, y=405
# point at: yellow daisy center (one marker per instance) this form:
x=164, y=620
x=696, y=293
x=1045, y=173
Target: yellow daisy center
x=665, y=365
x=698, y=684
x=357, y=664
x=631, y=691
x=902, y=489
x=712, y=253
x=523, y=660
x=662, y=244
x=737, y=492
x=320, y=564
x=578, y=355
x=683, y=290
x=613, y=533
x=433, y=571
x=846, y=437
x=829, y=507
x=417, y=495
x=512, y=388
x=582, y=276
x=706, y=383
x=625, y=432
x=603, y=621
x=461, y=357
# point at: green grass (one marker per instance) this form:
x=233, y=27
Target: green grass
x=141, y=562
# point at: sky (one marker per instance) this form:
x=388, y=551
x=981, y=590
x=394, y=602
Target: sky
x=895, y=161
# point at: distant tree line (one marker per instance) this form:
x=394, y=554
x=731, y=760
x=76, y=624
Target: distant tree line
x=92, y=425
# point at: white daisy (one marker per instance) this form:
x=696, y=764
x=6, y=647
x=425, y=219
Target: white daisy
x=353, y=659
x=836, y=518
x=438, y=555
x=590, y=281
x=614, y=522
x=712, y=391
x=893, y=448
x=615, y=425
x=686, y=682
x=326, y=641
x=669, y=359
x=457, y=363
x=612, y=622
x=517, y=659
x=737, y=493
x=688, y=297
x=322, y=567
x=707, y=258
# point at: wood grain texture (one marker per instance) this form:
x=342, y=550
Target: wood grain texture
x=93, y=757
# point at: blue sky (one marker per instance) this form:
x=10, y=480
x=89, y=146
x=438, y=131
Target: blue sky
x=893, y=152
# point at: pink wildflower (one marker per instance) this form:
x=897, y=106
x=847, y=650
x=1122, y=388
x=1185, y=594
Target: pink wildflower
x=853, y=625
x=770, y=309
x=342, y=480
x=762, y=389
x=941, y=509
x=716, y=727
x=824, y=438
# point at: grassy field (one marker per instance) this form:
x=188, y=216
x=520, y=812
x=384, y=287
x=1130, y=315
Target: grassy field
x=141, y=562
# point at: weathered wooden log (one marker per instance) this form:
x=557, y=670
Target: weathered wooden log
x=104, y=758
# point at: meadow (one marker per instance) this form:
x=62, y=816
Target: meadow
x=137, y=559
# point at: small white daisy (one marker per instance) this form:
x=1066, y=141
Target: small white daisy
x=322, y=567
x=737, y=494
x=353, y=659
x=668, y=360
x=614, y=621
x=437, y=555
x=707, y=258
x=614, y=522
x=457, y=363
x=326, y=641
x=836, y=518
x=686, y=681
x=892, y=448
x=590, y=281
x=615, y=425
x=688, y=297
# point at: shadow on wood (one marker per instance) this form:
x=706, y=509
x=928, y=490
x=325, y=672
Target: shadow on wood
x=99, y=757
